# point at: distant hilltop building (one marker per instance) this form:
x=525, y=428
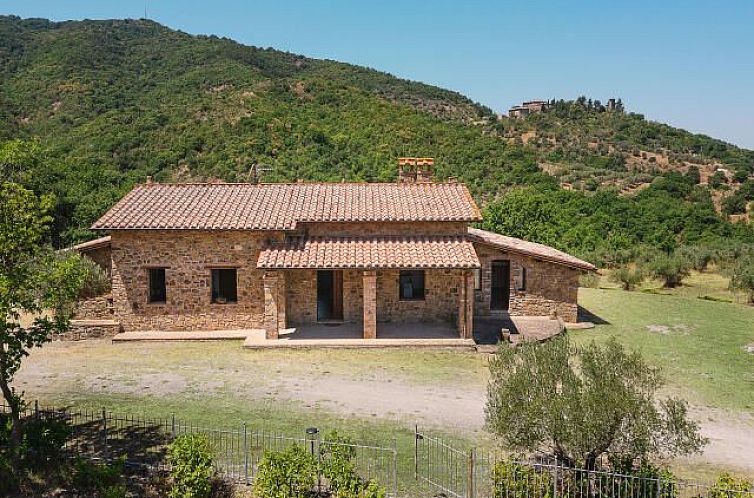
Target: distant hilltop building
x=537, y=106
x=529, y=107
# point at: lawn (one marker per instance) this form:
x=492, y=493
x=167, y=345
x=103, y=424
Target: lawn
x=699, y=344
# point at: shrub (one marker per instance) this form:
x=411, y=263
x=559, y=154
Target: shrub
x=512, y=479
x=190, y=457
x=670, y=269
x=340, y=471
x=728, y=486
x=645, y=481
x=589, y=279
x=103, y=480
x=627, y=277
x=96, y=282
x=698, y=257
x=286, y=474
x=742, y=276
x=42, y=440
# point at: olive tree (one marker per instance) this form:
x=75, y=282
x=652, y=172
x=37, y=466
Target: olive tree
x=578, y=403
x=37, y=287
x=742, y=276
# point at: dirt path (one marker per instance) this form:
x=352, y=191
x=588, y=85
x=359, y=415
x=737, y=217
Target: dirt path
x=376, y=385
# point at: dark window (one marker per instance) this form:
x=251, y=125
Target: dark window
x=522, y=283
x=411, y=285
x=157, y=291
x=224, y=285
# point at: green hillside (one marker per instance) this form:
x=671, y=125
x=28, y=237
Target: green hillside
x=88, y=108
x=588, y=145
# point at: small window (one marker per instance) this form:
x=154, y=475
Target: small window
x=157, y=290
x=521, y=280
x=411, y=285
x=477, y=279
x=224, y=285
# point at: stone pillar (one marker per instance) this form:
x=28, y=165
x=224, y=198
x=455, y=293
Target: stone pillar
x=370, y=304
x=466, y=305
x=271, y=322
x=282, y=293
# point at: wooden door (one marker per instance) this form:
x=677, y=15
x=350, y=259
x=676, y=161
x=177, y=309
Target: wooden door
x=329, y=295
x=500, y=285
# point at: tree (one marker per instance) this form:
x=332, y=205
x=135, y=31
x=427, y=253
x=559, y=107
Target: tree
x=32, y=279
x=579, y=403
x=742, y=276
x=628, y=277
x=671, y=269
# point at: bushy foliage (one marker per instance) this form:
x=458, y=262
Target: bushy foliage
x=578, y=403
x=671, y=269
x=340, y=470
x=629, y=277
x=96, y=282
x=516, y=480
x=729, y=486
x=742, y=276
x=291, y=473
x=190, y=457
x=99, y=480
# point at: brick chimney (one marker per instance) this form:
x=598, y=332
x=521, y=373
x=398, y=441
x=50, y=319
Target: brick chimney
x=415, y=169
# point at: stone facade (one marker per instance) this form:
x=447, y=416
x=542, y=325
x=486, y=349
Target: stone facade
x=188, y=257
x=275, y=299
x=88, y=329
x=549, y=289
x=95, y=308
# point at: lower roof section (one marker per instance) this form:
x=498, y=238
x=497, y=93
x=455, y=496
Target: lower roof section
x=527, y=248
x=441, y=251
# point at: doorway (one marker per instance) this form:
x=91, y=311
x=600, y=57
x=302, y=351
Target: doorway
x=500, y=285
x=329, y=295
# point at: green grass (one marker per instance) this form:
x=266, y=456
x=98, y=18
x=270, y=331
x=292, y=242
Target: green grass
x=698, y=343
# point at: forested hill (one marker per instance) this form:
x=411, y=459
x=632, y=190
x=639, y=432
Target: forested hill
x=88, y=108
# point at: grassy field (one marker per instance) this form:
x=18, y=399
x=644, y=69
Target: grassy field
x=700, y=344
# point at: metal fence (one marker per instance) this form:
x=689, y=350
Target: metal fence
x=472, y=473
x=105, y=435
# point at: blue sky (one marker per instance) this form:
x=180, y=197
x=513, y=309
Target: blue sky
x=688, y=63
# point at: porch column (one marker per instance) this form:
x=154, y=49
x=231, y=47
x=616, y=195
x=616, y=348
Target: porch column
x=272, y=306
x=466, y=305
x=370, y=304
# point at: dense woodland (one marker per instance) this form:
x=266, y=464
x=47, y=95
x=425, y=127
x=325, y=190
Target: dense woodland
x=90, y=108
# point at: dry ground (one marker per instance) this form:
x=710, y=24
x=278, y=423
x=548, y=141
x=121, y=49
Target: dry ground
x=440, y=389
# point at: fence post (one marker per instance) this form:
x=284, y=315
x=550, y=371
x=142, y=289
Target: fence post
x=471, y=493
x=104, y=432
x=555, y=479
x=395, y=468
x=36, y=408
x=172, y=426
x=245, y=455
x=416, y=452
x=659, y=487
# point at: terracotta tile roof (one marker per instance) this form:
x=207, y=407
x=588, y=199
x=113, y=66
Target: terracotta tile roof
x=90, y=245
x=532, y=249
x=444, y=251
x=228, y=206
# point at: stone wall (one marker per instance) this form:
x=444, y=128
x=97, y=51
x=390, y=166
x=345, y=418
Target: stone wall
x=95, y=308
x=88, y=329
x=188, y=256
x=440, y=303
x=550, y=288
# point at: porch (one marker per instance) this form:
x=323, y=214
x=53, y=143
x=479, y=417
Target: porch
x=385, y=288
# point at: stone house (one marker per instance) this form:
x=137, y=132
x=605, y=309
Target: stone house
x=220, y=256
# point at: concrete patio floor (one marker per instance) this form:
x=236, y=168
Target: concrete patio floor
x=349, y=335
